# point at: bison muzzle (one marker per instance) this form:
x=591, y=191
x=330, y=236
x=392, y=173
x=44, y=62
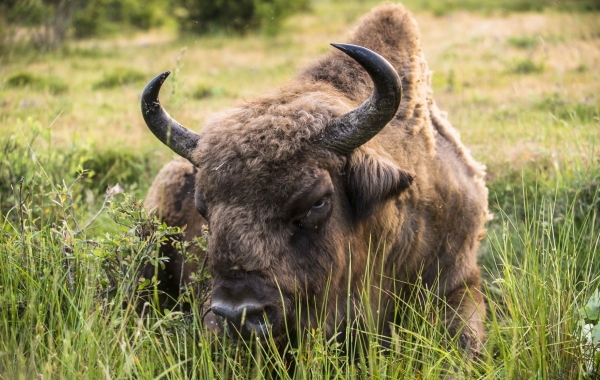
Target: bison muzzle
x=311, y=192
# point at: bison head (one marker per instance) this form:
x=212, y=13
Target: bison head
x=288, y=188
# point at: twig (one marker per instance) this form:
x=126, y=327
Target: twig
x=80, y=230
x=109, y=194
x=183, y=252
x=6, y=147
x=71, y=202
x=91, y=242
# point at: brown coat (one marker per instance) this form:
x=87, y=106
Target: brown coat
x=412, y=196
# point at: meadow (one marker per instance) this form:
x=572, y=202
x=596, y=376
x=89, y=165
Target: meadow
x=522, y=87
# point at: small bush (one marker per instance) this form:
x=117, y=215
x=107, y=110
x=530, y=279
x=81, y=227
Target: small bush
x=31, y=163
x=93, y=52
x=21, y=80
x=104, y=17
x=52, y=84
x=526, y=66
x=120, y=77
x=203, y=91
x=590, y=335
x=444, y=7
x=116, y=166
x=581, y=68
x=524, y=42
x=210, y=16
x=586, y=110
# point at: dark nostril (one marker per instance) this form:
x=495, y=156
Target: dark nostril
x=237, y=314
x=245, y=317
x=223, y=310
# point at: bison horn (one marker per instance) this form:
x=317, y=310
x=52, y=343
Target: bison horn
x=349, y=131
x=174, y=135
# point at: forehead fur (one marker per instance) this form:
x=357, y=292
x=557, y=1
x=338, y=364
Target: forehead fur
x=270, y=139
x=273, y=127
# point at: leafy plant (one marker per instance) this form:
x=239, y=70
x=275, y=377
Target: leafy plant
x=52, y=84
x=102, y=17
x=585, y=110
x=203, y=91
x=526, y=66
x=120, y=77
x=524, y=42
x=29, y=163
x=202, y=16
x=590, y=335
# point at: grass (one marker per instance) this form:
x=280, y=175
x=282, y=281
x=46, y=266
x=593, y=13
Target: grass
x=119, y=77
x=523, y=93
x=53, y=85
x=525, y=66
x=69, y=306
x=524, y=42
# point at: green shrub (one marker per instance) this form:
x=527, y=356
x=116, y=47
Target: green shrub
x=203, y=91
x=102, y=17
x=590, y=334
x=120, y=77
x=525, y=66
x=52, y=84
x=581, y=68
x=443, y=7
x=524, y=42
x=116, y=166
x=586, y=110
x=30, y=168
x=21, y=79
x=238, y=16
x=46, y=24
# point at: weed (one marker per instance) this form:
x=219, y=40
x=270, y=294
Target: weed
x=203, y=91
x=524, y=42
x=92, y=53
x=586, y=110
x=31, y=161
x=525, y=66
x=120, y=77
x=52, y=84
x=581, y=68
x=116, y=166
x=443, y=7
x=590, y=335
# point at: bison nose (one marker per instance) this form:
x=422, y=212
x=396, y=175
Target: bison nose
x=246, y=318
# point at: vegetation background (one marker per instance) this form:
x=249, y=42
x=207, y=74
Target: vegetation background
x=520, y=80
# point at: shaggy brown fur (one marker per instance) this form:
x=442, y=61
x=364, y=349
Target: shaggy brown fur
x=172, y=196
x=413, y=189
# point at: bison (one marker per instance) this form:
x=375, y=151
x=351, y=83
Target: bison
x=347, y=175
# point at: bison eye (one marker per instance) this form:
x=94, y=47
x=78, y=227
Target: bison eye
x=319, y=204
x=201, y=204
x=316, y=215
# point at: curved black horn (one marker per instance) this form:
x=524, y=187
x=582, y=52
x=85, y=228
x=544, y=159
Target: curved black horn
x=349, y=131
x=174, y=135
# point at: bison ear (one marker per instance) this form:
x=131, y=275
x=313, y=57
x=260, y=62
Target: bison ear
x=372, y=180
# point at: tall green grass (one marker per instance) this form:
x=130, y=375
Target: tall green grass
x=69, y=303
x=545, y=267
